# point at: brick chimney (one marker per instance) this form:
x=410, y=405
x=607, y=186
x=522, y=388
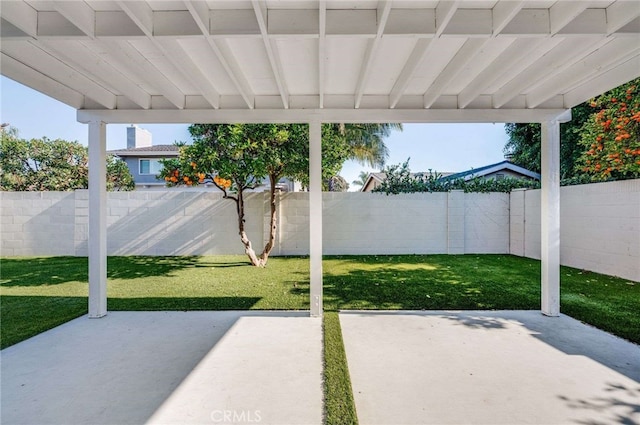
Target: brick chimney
x=138, y=137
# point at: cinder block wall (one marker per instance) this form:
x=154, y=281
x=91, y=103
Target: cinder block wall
x=293, y=224
x=174, y=223
x=37, y=223
x=374, y=223
x=599, y=227
x=486, y=221
x=600, y=224
x=200, y=223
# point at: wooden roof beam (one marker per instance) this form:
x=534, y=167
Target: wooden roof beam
x=322, y=49
x=260, y=10
x=79, y=14
x=142, y=15
x=384, y=7
x=200, y=13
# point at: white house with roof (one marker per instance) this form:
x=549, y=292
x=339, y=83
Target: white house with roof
x=143, y=158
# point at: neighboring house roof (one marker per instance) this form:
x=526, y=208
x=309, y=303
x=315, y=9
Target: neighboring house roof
x=156, y=150
x=375, y=179
x=490, y=169
x=372, y=181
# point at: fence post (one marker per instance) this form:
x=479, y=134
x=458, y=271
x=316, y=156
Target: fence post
x=517, y=222
x=455, y=222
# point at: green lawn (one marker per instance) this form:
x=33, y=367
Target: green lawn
x=39, y=293
x=485, y=282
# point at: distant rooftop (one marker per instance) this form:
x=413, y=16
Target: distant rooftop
x=155, y=149
x=374, y=179
x=487, y=169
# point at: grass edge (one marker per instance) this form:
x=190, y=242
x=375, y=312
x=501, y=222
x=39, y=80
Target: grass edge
x=339, y=404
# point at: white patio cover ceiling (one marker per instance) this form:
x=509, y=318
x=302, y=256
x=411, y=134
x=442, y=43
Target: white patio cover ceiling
x=469, y=60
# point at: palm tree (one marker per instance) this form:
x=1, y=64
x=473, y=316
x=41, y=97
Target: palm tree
x=362, y=179
x=367, y=142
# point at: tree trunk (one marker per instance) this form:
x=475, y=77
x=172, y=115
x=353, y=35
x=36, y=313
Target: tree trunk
x=273, y=220
x=258, y=260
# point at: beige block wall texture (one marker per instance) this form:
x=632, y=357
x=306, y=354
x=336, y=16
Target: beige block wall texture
x=600, y=224
x=37, y=223
x=599, y=227
x=363, y=223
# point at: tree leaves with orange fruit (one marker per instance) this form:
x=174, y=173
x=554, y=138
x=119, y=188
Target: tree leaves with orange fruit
x=611, y=136
x=237, y=158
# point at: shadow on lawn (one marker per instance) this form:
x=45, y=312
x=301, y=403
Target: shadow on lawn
x=24, y=316
x=57, y=270
x=181, y=304
x=43, y=271
x=422, y=283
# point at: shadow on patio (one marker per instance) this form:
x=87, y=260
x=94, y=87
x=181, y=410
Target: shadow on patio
x=167, y=367
x=449, y=367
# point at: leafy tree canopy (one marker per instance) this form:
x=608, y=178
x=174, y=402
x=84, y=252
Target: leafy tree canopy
x=52, y=165
x=363, y=143
x=523, y=146
x=236, y=151
x=240, y=155
x=338, y=184
x=237, y=158
x=400, y=180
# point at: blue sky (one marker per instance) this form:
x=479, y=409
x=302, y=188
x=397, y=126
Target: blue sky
x=440, y=147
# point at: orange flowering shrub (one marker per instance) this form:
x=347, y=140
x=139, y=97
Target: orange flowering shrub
x=611, y=136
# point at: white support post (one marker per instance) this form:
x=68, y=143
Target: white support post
x=97, y=219
x=315, y=216
x=550, y=218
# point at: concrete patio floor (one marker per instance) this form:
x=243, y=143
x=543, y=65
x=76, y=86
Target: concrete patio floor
x=503, y=367
x=168, y=368
x=480, y=367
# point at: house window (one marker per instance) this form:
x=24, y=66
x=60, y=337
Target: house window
x=150, y=166
x=499, y=176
